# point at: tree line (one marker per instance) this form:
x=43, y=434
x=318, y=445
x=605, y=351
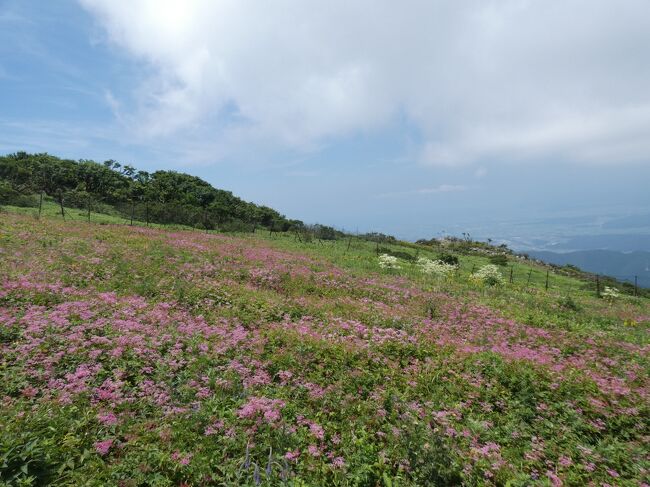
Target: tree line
x=165, y=197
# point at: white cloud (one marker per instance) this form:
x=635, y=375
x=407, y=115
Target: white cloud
x=481, y=80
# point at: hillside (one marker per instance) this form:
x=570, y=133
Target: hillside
x=134, y=355
x=42, y=184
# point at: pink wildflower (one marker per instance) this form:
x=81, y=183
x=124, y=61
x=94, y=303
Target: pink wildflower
x=268, y=408
x=213, y=429
x=317, y=430
x=29, y=392
x=108, y=419
x=292, y=455
x=182, y=459
x=102, y=447
x=555, y=480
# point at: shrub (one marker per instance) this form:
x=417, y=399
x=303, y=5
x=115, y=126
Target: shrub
x=400, y=254
x=450, y=259
x=435, y=267
x=9, y=196
x=236, y=226
x=568, y=303
x=488, y=274
x=611, y=293
x=378, y=237
x=388, y=262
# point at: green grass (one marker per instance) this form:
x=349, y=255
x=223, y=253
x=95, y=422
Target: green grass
x=52, y=210
x=166, y=356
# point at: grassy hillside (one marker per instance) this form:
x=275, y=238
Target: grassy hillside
x=51, y=211
x=156, y=356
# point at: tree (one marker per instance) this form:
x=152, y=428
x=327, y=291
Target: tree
x=161, y=197
x=205, y=199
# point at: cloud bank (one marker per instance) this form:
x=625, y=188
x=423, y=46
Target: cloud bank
x=478, y=80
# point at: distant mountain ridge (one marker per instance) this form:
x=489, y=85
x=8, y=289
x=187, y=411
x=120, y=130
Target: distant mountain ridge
x=621, y=265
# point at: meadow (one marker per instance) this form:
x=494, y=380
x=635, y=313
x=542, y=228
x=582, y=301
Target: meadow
x=135, y=356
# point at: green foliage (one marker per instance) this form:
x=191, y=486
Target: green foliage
x=324, y=232
x=165, y=197
x=378, y=237
x=568, y=303
x=499, y=259
x=400, y=254
x=149, y=356
x=24, y=459
x=11, y=196
x=448, y=258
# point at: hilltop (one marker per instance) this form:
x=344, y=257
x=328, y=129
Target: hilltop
x=135, y=355
x=164, y=197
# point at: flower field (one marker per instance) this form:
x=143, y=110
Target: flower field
x=132, y=356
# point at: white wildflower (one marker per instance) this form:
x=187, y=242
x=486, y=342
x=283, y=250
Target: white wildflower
x=611, y=293
x=488, y=274
x=435, y=267
x=388, y=262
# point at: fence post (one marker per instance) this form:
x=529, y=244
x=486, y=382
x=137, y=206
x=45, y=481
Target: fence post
x=597, y=285
x=530, y=273
x=511, y=268
x=61, y=203
x=546, y=286
x=636, y=287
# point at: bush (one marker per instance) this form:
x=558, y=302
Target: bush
x=450, y=259
x=9, y=196
x=400, y=254
x=378, y=237
x=611, y=293
x=569, y=304
x=236, y=226
x=489, y=275
x=435, y=267
x=388, y=262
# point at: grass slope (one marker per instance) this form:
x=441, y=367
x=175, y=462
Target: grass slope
x=147, y=356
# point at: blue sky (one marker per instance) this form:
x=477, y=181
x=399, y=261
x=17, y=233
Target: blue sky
x=412, y=119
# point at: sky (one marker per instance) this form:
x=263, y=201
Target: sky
x=414, y=118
